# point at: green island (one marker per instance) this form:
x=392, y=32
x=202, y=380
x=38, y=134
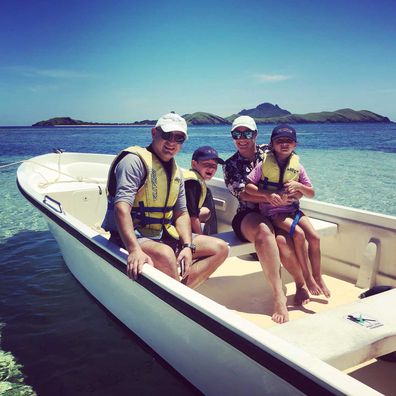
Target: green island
x=264, y=113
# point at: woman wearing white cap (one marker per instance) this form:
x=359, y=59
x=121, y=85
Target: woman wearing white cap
x=250, y=225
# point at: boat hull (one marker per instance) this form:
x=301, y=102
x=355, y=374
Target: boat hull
x=214, y=365
x=216, y=350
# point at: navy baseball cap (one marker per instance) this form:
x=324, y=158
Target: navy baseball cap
x=206, y=153
x=284, y=130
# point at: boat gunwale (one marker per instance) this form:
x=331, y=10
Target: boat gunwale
x=326, y=210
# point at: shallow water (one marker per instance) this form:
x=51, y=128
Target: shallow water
x=63, y=340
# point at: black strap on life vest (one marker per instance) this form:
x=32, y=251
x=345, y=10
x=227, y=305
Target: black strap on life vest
x=264, y=184
x=139, y=213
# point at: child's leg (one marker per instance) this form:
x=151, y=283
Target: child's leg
x=313, y=239
x=300, y=248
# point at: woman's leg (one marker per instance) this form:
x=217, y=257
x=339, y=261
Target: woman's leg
x=289, y=260
x=258, y=229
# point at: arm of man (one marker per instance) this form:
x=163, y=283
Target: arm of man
x=130, y=173
x=183, y=227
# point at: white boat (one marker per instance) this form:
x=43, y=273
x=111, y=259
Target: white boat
x=220, y=337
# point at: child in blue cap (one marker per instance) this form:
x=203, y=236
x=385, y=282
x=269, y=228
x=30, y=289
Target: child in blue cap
x=200, y=204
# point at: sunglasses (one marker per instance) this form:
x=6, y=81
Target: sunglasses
x=171, y=136
x=245, y=134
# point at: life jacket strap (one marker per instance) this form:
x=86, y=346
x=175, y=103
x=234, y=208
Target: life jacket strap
x=138, y=213
x=294, y=224
x=264, y=184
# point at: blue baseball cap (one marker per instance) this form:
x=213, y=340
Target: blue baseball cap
x=206, y=153
x=284, y=130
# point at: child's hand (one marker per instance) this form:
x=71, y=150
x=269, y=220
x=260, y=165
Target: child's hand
x=275, y=199
x=292, y=187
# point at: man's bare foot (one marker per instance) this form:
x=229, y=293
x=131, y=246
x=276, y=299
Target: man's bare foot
x=313, y=287
x=301, y=297
x=320, y=282
x=280, y=315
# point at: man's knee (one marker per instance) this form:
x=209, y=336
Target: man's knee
x=165, y=255
x=211, y=246
x=221, y=248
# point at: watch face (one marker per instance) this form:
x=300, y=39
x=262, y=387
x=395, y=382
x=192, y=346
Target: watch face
x=189, y=245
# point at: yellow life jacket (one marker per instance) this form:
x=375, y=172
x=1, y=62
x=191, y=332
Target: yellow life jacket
x=152, y=208
x=272, y=178
x=194, y=175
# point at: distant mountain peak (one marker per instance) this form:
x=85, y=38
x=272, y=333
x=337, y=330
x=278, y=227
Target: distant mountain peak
x=265, y=110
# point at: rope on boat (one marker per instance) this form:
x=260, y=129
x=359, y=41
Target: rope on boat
x=78, y=179
x=11, y=164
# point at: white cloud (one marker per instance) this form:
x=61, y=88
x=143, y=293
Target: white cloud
x=50, y=73
x=269, y=78
x=43, y=88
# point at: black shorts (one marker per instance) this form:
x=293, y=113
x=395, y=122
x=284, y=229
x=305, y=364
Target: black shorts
x=237, y=220
x=166, y=239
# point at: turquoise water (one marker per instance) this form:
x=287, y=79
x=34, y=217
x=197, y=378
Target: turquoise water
x=55, y=336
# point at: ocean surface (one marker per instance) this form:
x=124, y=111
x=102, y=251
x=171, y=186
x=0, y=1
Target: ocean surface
x=55, y=339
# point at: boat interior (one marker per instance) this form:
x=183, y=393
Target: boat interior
x=358, y=250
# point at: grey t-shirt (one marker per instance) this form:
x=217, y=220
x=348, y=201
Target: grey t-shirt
x=130, y=175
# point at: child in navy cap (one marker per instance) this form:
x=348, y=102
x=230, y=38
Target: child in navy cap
x=200, y=203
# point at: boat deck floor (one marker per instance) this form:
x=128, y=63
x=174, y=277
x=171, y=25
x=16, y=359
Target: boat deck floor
x=240, y=285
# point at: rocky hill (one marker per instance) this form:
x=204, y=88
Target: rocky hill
x=265, y=113
x=265, y=110
x=59, y=121
x=67, y=121
x=338, y=116
x=201, y=118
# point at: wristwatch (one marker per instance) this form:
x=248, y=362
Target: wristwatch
x=189, y=245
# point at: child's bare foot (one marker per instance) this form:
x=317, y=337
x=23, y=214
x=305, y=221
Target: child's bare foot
x=301, y=297
x=280, y=315
x=313, y=287
x=320, y=282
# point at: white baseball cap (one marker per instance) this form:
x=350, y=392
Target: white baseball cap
x=172, y=122
x=244, y=121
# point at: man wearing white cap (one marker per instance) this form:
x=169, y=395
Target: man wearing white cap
x=147, y=212
x=250, y=225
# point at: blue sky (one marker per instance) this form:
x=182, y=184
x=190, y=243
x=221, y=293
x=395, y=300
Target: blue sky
x=121, y=61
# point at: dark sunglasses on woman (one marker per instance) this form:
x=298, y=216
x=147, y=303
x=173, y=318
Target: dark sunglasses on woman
x=171, y=136
x=245, y=134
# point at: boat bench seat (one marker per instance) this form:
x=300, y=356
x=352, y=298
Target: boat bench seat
x=333, y=338
x=238, y=248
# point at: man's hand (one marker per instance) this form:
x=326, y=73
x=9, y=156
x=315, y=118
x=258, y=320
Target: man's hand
x=184, y=261
x=136, y=259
